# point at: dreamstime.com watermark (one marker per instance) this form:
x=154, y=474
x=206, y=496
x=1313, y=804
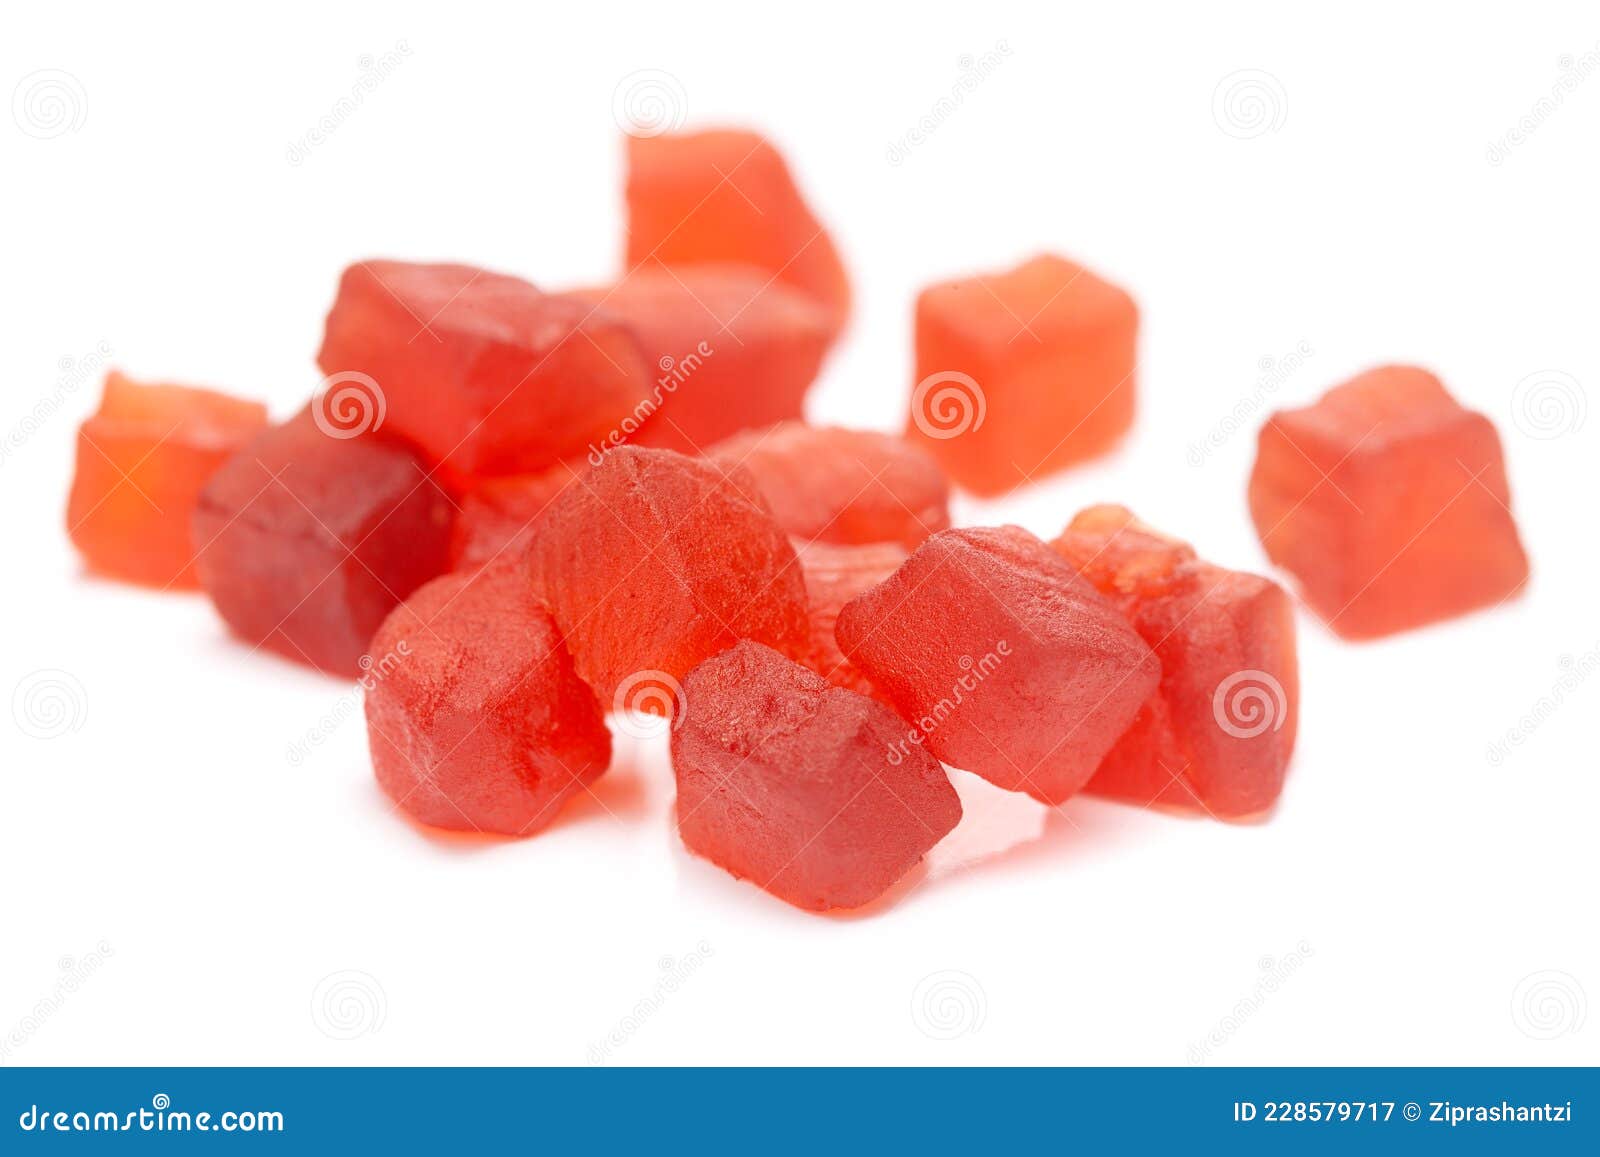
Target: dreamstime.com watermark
x=1274, y=372
x=675, y=973
x=1575, y=671
x=1275, y=972
x=674, y=372
x=1573, y=71
x=374, y=71
x=75, y=973
x=158, y=1117
x=975, y=671
x=974, y=71
x=74, y=372
x=373, y=672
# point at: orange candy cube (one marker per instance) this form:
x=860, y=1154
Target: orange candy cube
x=1022, y=373
x=728, y=347
x=1388, y=501
x=846, y=486
x=727, y=195
x=143, y=458
x=483, y=373
x=1217, y=734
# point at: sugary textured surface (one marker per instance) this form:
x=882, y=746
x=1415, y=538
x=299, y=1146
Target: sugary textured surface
x=483, y=372
x=1022, y=373
x=142, y=459
x=475, y=716
x=1388, y=502
x=727, y=345
x=1217, y=735
x=497, y=515
x=845, y=486
x=798, y=786
x=307, y=541
x=1006, y=662
x=727, y=195
x=834, y=575
x=653, y=561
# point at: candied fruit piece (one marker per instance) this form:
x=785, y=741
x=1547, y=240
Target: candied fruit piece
x=1007, y=662
x=727, y=196
x=654, y=561
x=728, y=346
x=845, y=486
x=306, y=540
x=1217, y=734
x=496, y=516
x=834, y=575
x=1388, y=501
x=482, y=372
x=142, y=460
x=798, y=786
x=1022, y=373
x=476, y=718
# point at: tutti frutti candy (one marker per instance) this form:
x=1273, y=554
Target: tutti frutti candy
x=483, y=373
x=475, y=716
x=1216, y=736
x=652, y=561
x=307, y=539
x=1388, y=502
x=143, y=458
x=727, y=195
x=784, y=780
x=1002, y=658
x=1022, y=373
x=843, y=486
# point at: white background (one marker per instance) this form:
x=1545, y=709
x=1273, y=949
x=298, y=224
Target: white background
x=1414, y=896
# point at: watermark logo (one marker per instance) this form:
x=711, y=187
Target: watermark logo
x=1550, y=1004
x=374, y=70
x=49, y=104
x=1249, y=703
x=49, y=704
x=974, y=70
x=349, y=1004
x=674, y=372
x=1549, y=404
x=645, y=702
x=949, y=1004
x=1249, y=103
x=348, y=404
x=947, y=404
x=649, y=102
x=674, y=972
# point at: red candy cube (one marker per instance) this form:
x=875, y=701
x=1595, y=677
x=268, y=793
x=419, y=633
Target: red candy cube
x=476, y=718
x=835, y=575
x=1388, y=502
x=1022, y=373
x=653, y=561
x=1217, y=735
x=142, y=460
x=484, y=373
x=307, y=541
x=797, y=786
x=1006, y=662
x=844, y=486
x=727, y=345
x=727, y=196
x=497, y=516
